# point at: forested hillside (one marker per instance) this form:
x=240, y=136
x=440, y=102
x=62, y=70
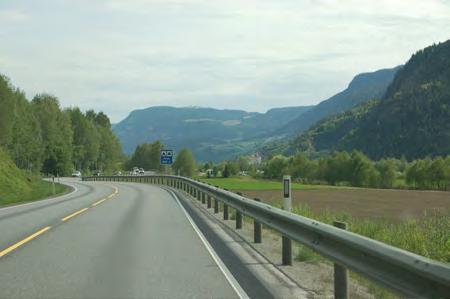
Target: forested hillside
x=412, y=119
x=41, y=137
x=362, y=88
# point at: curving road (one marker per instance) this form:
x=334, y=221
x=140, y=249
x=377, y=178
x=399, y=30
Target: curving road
x=107, y=240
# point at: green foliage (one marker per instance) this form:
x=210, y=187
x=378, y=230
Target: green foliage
x=18, y=186
x=429, y=174
x=427, y=236
x=40, y=137
x=387, y=169
x=184, y=163
x=356, y=169
x=147, y=156
x=56, y=135
x=276, y=167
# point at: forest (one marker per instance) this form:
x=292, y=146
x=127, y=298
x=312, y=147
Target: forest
x=41, y=137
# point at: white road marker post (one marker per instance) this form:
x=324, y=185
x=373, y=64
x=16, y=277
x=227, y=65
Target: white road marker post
x=287, y=206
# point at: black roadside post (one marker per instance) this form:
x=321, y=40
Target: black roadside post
x=225, y=209
x=238, y=216
x=216, y=206
x=340, y=273
x=203, y=197
x=209, y=202
x=287, y=206
x=257, y=231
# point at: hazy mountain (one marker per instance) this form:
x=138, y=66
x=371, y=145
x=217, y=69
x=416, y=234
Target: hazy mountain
x=224, y=134
x=412, y=119
x=212, y=134
x=362, y=88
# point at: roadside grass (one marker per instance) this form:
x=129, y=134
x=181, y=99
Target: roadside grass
x=249, y=183
x=18, y=186
x=427, y=236
x=38, y=189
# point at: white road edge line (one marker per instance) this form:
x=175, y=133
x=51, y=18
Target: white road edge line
x=230, y=278
x=75, y=189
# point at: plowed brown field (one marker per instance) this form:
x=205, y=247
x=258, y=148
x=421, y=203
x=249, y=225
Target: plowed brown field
x=395, y=205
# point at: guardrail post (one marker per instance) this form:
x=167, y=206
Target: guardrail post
x=209, y=202
x=287, y=205
x=225, y=211
x=257, y=229
x=216, y=206
x=238, y=216
x=340, y=273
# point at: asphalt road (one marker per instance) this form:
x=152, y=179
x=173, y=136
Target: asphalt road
x=106, y=240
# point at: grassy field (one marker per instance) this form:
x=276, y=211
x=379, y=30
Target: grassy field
x=248, y=183
x=17, y=186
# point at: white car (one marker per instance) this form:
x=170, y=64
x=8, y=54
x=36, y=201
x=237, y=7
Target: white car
x=76, y=174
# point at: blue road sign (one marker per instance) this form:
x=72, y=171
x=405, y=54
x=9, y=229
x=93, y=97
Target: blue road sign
x=166, y=157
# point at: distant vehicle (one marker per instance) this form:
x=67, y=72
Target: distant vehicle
x=141, y=171
x=135, y=171
x=97, y=173
x=76, y=174
x=118, y=173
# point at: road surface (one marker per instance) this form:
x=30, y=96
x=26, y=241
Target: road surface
x=107, y=240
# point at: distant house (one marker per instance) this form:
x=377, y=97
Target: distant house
x=255, y=159
x=209, y=173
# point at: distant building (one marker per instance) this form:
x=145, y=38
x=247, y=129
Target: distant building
x=255, y=159
x=209, y=173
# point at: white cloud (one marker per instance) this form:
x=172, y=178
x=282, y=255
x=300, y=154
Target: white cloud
x=117, y=56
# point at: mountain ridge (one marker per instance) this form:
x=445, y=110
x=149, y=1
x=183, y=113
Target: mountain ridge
x=412, y=119
x=362, y=87
x=226, y=133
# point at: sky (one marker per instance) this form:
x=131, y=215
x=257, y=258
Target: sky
x=117, y=56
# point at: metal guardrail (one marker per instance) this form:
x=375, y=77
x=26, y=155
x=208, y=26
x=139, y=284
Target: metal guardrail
x=407, y=273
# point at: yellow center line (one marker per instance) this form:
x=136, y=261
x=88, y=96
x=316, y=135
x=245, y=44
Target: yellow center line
x=74, y=214
x=116, y=190
x=31, y=237
x=99, y=202
x=27, y=239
